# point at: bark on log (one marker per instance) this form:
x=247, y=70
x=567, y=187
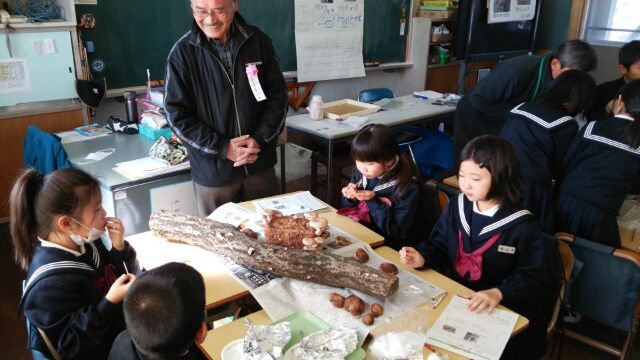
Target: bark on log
x=315, y=266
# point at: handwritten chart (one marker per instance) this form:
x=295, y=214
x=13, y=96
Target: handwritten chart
x=329, y=37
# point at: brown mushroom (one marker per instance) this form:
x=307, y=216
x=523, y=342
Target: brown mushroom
x=377, y=310
x=354, y=305
x=368, y=319
x=250, y=233
x=361, y=255
x=337, y=300
x=389, y=268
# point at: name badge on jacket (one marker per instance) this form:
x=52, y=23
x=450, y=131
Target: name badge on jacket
x=506, y=249
x=254, y=82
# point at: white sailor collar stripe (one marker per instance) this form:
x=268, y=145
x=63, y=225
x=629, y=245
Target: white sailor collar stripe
x=385, y=185
x=54, y=266
x=491, y=227
x=96, y=255
x=588, y=134
x=538, y=120
x=463, y=219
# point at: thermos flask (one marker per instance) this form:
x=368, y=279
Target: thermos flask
x=131, y=106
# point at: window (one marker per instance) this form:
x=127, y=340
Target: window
x=612, y=21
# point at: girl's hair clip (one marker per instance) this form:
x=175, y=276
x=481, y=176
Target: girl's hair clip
x=485, y=163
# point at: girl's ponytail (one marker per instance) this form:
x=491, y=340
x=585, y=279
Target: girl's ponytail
x=407, y=172
x=23, y=222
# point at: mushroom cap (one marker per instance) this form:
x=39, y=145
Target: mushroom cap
x=267, y=212
x=319, y=223
x=311, y=215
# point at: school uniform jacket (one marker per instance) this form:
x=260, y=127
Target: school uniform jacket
x=60, y=298
x=601, y=170
x=514, y=264
x=399, y=223
x=485, y=109
x=125, y=349
x=541, y=136
x=207, y=106
x=605, y=92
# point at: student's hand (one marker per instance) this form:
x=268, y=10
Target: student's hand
x=385, y=200
x=364, y=195
x=119, y=288
x=609, y=107
x=485, y=299
x=116, y=232
x=347, y=192
x=410, y=256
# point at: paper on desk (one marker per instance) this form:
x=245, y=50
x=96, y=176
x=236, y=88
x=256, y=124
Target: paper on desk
x=147, y=167
x=355, y=121
x=283, y=296
x=291, y=204
x=476, y=336
x=74, y=136
x=629, y=217
x=230, y=213
x=428, y=94
x=393, y=104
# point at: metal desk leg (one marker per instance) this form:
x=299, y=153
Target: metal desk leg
x=329, y=170
x=283, y=180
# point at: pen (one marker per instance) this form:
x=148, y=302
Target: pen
x=421, y=97
x=438, y=299
x=430, y=348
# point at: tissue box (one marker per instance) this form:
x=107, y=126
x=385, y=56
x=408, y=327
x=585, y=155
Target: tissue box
x=154, y=134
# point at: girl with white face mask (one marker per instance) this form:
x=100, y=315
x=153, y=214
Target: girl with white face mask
x=76, y=275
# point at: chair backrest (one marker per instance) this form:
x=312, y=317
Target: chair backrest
x=371, y=95
x=566, y=257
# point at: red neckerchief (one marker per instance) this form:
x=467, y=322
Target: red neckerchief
x=359, y=213
x=107, y=279
x=472, y=262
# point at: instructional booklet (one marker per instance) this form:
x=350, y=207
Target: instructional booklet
x=92, y=130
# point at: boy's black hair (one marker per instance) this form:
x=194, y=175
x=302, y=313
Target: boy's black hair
x=576, y=54
x=631, y=96
x=573, y=92
x=629, y=54
x=499, y=157
x=164, y=308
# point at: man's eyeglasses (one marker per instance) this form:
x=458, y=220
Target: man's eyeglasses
x=202, y=13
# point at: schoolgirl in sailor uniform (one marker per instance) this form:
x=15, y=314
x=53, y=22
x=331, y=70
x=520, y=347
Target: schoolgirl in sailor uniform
x=384, y=193
x=487, y=242
x=75, y=275
x=541, y=132
x=602, y=164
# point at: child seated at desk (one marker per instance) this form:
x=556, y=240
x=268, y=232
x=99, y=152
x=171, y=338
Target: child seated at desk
x=541, y=132
x=165, y=315
x=486, y=242
x=384, y=193
x=76, y=277
x=601, y=166
x=629, y=69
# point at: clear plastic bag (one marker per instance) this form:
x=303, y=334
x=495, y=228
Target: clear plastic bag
x=402, y=337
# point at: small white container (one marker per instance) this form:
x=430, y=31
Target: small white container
x=315, y=108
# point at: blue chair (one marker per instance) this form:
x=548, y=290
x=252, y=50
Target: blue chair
x=43, y=151
x=604, y=287
x=404, y=138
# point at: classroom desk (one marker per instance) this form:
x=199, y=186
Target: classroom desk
x=629, y=239
x=129, y=200
x=330, y=132
x=221, y=287
x=219, y=337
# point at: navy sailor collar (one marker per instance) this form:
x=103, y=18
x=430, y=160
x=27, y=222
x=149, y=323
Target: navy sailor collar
x=503, y=219
x=549, y=122
x=594, y=131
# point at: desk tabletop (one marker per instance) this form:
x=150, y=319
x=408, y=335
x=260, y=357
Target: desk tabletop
x=332, y=129
x=222, y=287
x=127, y=147
x=219, y=337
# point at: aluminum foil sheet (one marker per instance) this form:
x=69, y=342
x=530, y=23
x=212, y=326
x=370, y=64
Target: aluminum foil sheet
x=265, y=342
x=329, y=344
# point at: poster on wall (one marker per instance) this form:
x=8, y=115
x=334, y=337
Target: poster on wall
x=14, y=76
x=510, y=10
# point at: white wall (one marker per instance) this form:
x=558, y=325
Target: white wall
x=607, y=64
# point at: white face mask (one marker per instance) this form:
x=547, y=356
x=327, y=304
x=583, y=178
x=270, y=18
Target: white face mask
x=94, y=234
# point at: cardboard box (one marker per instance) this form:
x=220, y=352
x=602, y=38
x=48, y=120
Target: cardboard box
x=438, y=38
x=437, y=14
x=342, y=109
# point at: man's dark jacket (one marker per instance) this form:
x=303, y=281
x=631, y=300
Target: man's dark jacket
x=206, y=107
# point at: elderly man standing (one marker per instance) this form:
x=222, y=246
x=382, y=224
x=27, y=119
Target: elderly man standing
x=226, y=100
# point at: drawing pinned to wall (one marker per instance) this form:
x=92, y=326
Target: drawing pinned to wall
x=14, y=76
x=329, y=38
x=511, y=10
